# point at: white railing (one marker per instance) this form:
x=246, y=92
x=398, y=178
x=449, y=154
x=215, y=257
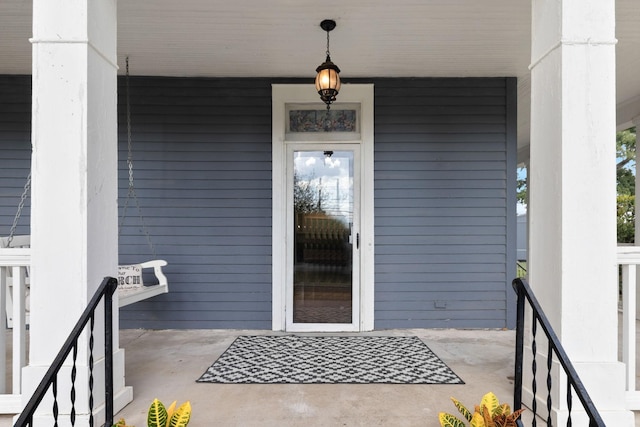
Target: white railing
x=14, y=263
x=629, y=259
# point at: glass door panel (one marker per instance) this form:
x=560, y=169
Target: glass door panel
x=323, y=237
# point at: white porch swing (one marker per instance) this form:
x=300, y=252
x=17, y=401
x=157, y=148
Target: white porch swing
x=130, y=283
x=15, y=258
x=15, y=255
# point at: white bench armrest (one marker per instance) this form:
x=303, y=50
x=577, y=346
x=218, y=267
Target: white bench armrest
x=157, y=265
x=130, y=296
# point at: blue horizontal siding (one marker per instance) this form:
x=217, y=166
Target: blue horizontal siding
x=441, y=203
x=15, y=150
x=202, y=173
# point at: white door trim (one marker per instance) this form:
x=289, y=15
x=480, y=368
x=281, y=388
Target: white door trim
x=283, y=94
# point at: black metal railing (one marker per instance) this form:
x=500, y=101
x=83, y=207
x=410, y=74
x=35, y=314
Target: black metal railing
x=50, y=379
x=554, y=346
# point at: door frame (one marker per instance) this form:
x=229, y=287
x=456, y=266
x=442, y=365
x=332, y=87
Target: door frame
x=282, y=95
x=356, y=283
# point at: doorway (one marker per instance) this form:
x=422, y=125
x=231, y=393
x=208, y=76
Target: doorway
x=323, y=198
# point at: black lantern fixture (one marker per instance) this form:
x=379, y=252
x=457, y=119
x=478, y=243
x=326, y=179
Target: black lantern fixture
x=328, y=77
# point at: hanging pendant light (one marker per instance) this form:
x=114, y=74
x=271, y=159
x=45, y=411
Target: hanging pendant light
x=328, y=77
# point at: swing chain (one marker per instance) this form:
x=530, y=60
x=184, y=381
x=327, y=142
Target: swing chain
x=23, y=198
x=129, y=147
x=145, y=230
x=132, y=191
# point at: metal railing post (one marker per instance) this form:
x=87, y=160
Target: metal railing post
x=555, y=346
x=108, y=349
x=517, y=386
x=106, y=290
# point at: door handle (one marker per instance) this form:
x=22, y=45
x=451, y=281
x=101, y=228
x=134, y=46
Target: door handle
x=357, y=240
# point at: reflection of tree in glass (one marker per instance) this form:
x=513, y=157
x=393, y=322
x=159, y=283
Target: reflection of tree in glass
x=307, y=194
x=320, y=237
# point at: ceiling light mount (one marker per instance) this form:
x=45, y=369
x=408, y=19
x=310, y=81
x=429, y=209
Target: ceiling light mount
x=328, y=73
x=328, y=24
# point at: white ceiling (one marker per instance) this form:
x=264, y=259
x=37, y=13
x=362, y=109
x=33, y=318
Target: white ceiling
x=247, y=38
x=373, y=38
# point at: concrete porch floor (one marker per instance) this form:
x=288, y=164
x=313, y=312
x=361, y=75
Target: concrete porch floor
x=166, y=363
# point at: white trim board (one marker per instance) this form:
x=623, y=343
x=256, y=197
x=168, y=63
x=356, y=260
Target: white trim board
x=283, y=94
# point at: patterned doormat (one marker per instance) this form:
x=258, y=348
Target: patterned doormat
x=295, y=359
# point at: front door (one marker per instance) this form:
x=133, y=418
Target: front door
x=323, y=286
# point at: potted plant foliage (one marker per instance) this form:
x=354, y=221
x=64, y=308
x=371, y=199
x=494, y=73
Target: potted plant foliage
x=160, y=416
x=489, y=413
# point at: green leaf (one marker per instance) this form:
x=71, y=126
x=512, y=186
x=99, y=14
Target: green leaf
x=170, y=410
x=448, y=420
x=477, y=420
x=182, y=416
x=500, y=410
x=463, y=410
x=490, y=401
x=157, y=415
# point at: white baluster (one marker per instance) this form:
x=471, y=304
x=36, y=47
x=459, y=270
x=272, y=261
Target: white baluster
x=3, y=330
x=19, y=326
x=629, y=323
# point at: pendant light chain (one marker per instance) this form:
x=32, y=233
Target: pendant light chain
x=328, y=54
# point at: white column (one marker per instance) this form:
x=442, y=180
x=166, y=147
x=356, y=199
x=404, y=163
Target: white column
x=572, y=253
x=74, y=191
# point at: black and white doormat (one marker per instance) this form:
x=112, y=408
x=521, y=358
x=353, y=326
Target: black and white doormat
x=316, y=359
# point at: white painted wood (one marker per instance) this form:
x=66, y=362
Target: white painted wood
x=19, y=241
x=629, y=259
x=17, y=261
x=572, y=130
x=13, y=266
x=125, y=298
x=10, y=403
x=283, y=94
x=416, y=38
x=279, y=201
x=628, y=255
x=74, y=180
x=3, y=337
x=130, y=296
x=573, y=127
x=629, y=323
x=365, y=97
x=19, y=327
x=637, y=223
x=633, y=400
x=15, y=257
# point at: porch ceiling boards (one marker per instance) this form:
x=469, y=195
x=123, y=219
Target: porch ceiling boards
x=373, y=38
